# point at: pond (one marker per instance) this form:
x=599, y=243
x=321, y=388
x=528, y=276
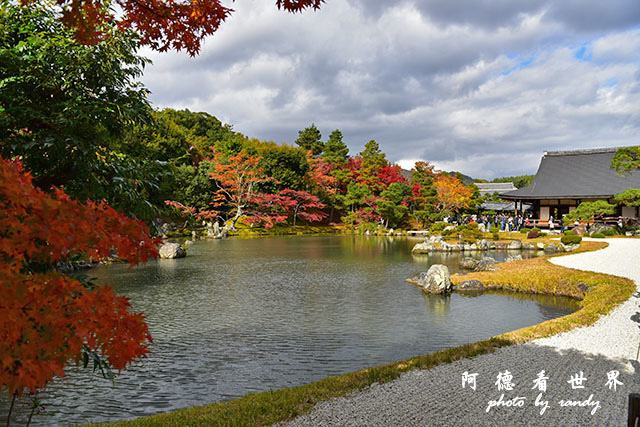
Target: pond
x=248, y=315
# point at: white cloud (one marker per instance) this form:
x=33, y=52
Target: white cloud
x=483, y=89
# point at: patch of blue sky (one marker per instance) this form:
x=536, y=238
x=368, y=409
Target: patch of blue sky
x=611, y=82
x=584, y=53
x=520, y=65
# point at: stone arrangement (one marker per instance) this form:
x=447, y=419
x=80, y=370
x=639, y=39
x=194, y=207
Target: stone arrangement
x=436, y=244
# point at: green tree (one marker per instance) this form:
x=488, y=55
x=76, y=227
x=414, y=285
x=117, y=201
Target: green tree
x=626, y=159
x=287, y=165
x=309, y=139
x=177, y=135
x=518, y=181
x=588, y=211
x=392, y=206
x=65, y=106
x=86, y=96
x=629, y=197
x=336, y=152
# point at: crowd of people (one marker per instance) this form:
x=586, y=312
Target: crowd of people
x=502, y=221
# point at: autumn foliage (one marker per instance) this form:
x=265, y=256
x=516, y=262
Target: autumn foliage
x=47, y=318
x=162, y=24
x=452, y=194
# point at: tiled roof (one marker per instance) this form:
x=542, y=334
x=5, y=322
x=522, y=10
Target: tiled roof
x=576, y=174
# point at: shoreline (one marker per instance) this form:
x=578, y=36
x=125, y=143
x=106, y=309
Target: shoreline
x=285, y=404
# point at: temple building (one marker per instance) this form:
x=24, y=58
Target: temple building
x=567, y=178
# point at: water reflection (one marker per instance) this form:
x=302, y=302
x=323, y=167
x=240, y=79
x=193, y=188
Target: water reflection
x=239, y=316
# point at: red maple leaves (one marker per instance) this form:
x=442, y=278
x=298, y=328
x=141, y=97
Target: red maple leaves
x=162, y=24
x=46, y=317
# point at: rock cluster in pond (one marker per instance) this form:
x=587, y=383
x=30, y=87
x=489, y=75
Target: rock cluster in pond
x=470, y=285
x=172, y=250
x=484, y=264
x=437, y=280
x=436, y=244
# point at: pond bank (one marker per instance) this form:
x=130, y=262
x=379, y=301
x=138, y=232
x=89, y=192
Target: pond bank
x=270, y=407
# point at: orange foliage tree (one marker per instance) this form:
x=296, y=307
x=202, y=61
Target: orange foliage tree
x=162, y=24
x=237, y=178
x=49, y=319
x=451, y=194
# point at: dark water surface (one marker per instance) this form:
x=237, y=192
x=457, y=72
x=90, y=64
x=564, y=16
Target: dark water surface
x=239, y=316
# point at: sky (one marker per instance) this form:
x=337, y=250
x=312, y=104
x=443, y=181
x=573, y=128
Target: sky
x=483, y=87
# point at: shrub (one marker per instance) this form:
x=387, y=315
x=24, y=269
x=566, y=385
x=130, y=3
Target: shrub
x=472, y=226
x=462, y=227
x=610, y=232
x=536, y=229
x=496, y=236
x=525, y=230
x=494, y=230
x=570, y=239
x=598, y=235
x=438, y=227
x=568, y=233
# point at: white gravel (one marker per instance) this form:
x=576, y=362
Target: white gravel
x=615, y=335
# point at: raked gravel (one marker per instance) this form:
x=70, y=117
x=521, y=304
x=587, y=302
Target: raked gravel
x=436, y=397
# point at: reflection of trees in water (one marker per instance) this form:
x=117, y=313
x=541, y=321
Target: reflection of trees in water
x=438, y=306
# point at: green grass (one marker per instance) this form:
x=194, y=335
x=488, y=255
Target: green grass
x=535, y=275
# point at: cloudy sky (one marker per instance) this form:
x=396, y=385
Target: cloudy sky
x=478, y=86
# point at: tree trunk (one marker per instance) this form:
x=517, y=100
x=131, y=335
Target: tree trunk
x=236, y=218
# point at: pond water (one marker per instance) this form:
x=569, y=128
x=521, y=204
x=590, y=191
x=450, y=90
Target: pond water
x=239, y=316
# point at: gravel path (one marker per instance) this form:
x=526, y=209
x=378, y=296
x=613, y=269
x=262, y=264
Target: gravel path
x=437, y=397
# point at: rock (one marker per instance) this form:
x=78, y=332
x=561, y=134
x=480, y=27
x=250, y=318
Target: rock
x=486, y=264
x=540, y=245
x=172, y=250
x=188, y=242
x=449, y=228
x=532, y=234
x=423, y=248
x=629, y=233
x=469, y=263
x=470, y=285
x=435, y=239
x=501, y=245
x=637, y=232
x=514, y=245
x=482, y=228
x=436, y=280
x=514, y=258
x=583, y=287
x=456, y=248
x=528, y=247
x=579, y=230
x=167, y=228
x=552, y=249
x=491, y=245
x=599, y=228
x=482, y=245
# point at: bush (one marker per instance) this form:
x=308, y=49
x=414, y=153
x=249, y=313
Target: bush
x=525, y=230
x=536, y=229
x=568, y=233
x=472, y=226
x=570, y=239
x=494, y=230
x=438, y=227
x=462, y=227
x=496, y=236
x=610, y=232
x=598, y=235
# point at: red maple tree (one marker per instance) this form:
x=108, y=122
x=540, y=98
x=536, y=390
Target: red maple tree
x=48, y=318
x=304, y=205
